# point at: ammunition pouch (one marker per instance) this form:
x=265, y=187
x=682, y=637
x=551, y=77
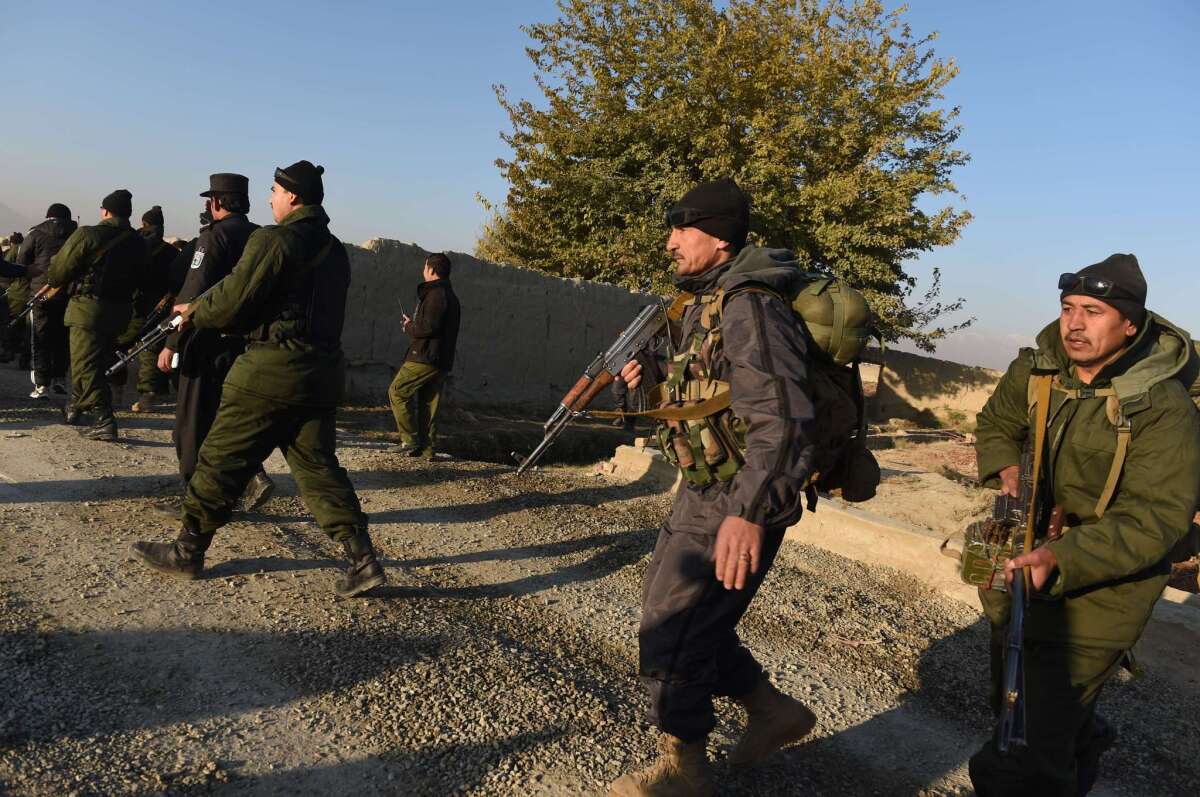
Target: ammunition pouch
x=986, y=547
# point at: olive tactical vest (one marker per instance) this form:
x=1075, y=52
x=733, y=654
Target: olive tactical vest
x=701, y=435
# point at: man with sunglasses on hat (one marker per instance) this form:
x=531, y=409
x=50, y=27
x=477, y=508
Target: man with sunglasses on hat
x=715, y=549
x=1121, y=457
x=287, y=295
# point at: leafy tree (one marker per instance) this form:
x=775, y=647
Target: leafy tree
x=825, y=111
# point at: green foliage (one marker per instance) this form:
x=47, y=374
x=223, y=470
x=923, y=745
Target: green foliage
x=825, y=112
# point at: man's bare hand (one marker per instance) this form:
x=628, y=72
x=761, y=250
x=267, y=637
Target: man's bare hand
x=739, y=545
x=631, y=374
x=164, y=359
x=405, y=323
x=181, y=309
x=1041, y=562
x=1010, y=481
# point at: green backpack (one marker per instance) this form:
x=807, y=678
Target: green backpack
x=838, y=318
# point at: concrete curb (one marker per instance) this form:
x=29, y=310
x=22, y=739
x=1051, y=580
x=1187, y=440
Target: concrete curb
x=873, y=539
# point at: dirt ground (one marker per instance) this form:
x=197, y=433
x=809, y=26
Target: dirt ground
x=500, y=659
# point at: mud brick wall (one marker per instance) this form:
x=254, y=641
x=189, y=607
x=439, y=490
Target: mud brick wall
x=525, y=336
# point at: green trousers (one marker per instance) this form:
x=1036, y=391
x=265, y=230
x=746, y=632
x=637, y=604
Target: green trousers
x=245, y=432
x=1062, y=685
x=150, y=379
x=91, y=353
x=414, y=395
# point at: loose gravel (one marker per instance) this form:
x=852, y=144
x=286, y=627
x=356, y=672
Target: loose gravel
x=500, y=659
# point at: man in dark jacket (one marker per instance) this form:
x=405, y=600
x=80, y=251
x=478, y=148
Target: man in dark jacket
x=1122, y=459
x=287, y=295
x=49, y=338
x=722, y=536
x=206, y=355
x=152, y=299
x=417, y=388
x=102, y=264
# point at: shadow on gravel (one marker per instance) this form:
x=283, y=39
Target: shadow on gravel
x=104, y=682
x=615, y=552
x=71, y=490
x=532, y=500
x=270, y=564
x=906, y=747
x=430, y=772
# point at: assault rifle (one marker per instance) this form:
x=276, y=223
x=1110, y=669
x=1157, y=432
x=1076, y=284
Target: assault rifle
x=1019, y=517
x=150, y=336
x=599, y=374
x=43, y=295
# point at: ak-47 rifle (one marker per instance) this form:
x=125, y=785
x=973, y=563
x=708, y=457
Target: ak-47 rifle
x=1019, y=517
x=150, y=336
x=43, y=295
x=601, y=373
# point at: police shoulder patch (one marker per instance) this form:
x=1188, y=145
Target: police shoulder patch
x=197, y=258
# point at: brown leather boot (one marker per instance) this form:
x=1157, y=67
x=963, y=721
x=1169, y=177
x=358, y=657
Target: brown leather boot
x=682, y=770
x=774, y=720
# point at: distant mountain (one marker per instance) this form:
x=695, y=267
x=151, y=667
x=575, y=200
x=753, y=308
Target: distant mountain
x=12, y=221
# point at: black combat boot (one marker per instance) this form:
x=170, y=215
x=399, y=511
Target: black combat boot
x=257, y=492
x=71, y=415
x=184, y=557
x=365, y=572
x=105, y=429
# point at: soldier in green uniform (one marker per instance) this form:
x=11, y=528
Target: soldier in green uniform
x=101, y=264
x=1122, y=458
x=16, y=338
x=287, y=295
x=154, y=290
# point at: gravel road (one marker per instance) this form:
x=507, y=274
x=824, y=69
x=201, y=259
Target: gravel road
x=500, y=659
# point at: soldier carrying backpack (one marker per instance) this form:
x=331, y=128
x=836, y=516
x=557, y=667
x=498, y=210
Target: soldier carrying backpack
x=757, y=416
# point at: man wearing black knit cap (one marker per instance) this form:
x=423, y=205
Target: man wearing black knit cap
x=152, y=296
x=16, y=292
x=1121, y=458
x=49, y=335
x=101, y=264
x=727, y=521
x=287, y=294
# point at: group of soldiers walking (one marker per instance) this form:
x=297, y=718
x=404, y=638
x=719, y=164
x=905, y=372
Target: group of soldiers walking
x=260, y=367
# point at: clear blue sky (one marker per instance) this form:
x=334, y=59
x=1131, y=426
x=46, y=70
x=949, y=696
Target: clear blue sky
x=1080, y=118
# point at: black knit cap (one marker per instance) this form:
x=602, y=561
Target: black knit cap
x=58, y=211
x=119, y=203
x=1128, y=293
x=153, y=216
x=718, y=208
x=304, y=180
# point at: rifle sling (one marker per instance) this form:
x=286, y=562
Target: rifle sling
x=1042, y=383
x=718, y=399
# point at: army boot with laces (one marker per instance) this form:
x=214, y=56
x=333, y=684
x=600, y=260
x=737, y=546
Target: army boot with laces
x=682, y=770
x=773, y=721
